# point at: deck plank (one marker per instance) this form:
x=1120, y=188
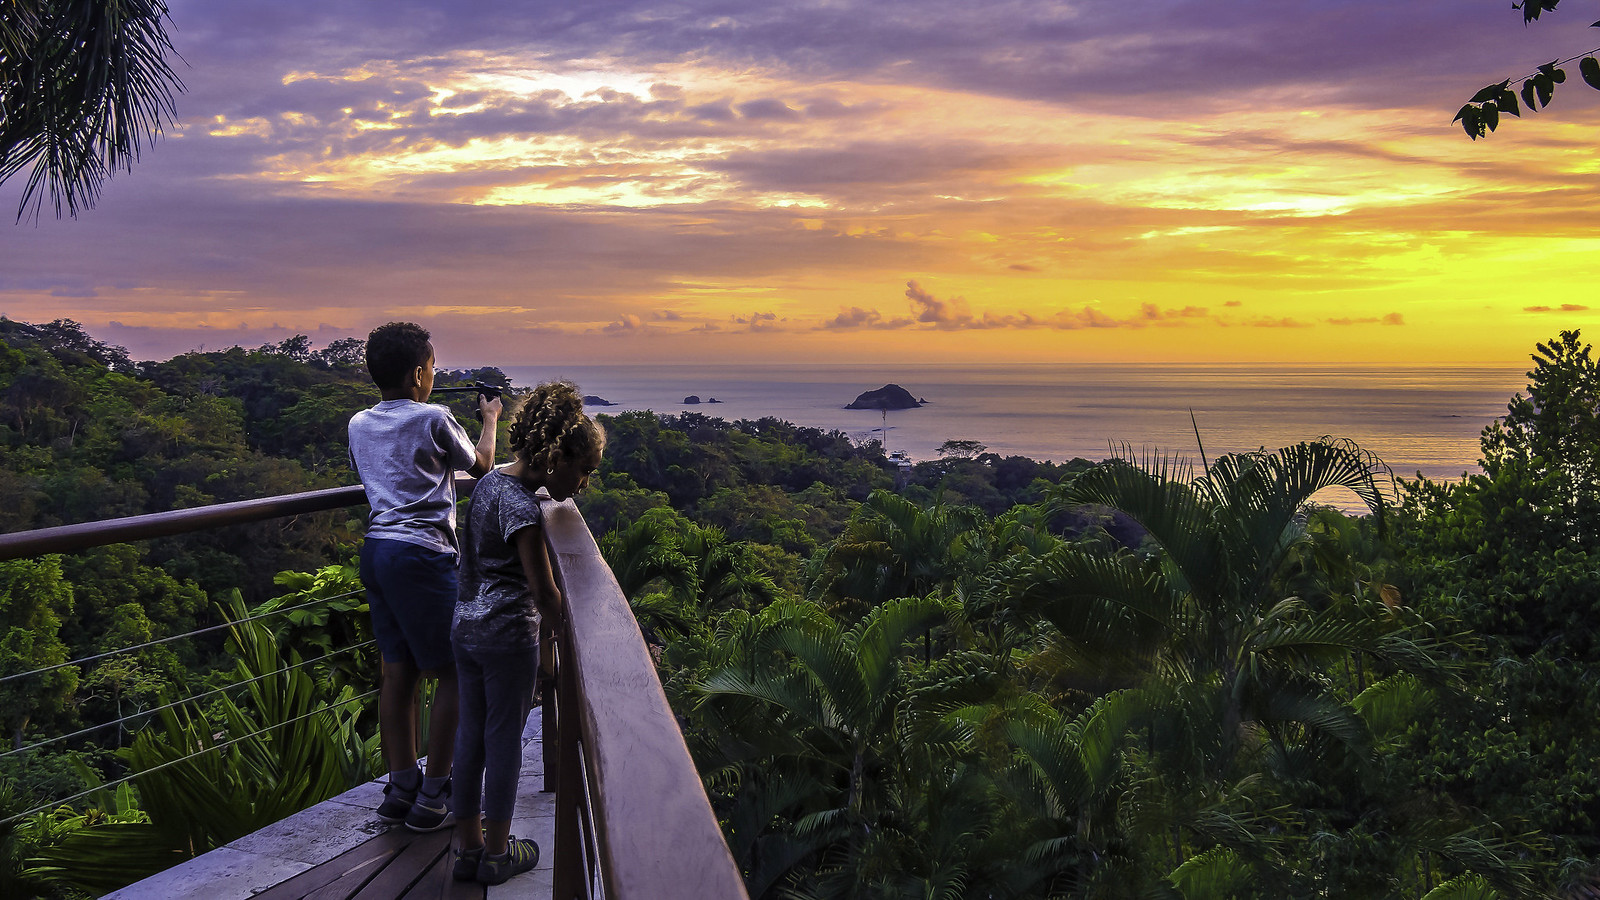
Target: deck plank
x=438, y=884
x=340, y=849
x=223, y=874
x=406, y=869
x=359, y=863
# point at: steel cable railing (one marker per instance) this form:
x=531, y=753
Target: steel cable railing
x=172, y=762
x=54, y=804
x=176, y=703
x=170, y=638
x=73, y=538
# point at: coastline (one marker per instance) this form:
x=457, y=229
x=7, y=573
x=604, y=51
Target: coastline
x=1419, y=419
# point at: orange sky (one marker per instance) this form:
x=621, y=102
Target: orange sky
x=836, y=181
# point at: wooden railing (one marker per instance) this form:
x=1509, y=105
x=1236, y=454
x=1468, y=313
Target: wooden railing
x=72, y=538
x=632, y=819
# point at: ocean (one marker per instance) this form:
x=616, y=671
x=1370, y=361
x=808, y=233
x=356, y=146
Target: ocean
x=1416, y=419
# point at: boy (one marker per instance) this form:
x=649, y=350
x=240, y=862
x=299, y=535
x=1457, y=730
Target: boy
x=405, y=452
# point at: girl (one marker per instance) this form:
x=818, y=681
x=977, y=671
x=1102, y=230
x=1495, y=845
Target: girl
x=506, y=587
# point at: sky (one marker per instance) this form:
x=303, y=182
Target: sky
x=833, y=181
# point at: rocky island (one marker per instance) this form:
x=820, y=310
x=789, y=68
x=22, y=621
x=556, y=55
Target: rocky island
x=890, y=396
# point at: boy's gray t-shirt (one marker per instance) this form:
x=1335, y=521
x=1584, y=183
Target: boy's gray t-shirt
x=406, y=454
x=494, y=606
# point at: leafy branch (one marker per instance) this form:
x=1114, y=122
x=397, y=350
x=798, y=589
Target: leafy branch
x=1481, y=115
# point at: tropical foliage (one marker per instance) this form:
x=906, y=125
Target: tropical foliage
x=1511, y=556
x=276, y=739
x=982, y=677
x=974, y=707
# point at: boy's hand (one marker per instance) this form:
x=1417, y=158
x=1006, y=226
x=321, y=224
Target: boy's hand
x=489, y=414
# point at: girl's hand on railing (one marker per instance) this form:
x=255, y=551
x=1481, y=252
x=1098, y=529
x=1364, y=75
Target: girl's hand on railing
x=547, y=653
x=552, y=609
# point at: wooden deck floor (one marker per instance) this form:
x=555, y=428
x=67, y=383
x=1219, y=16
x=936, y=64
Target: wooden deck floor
x=338, y=849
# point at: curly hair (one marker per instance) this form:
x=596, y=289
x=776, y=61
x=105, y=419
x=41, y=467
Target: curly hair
x=393, y=350
x=550, y=425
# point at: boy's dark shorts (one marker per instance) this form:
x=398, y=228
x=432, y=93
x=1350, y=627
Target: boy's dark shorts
x=411, y=592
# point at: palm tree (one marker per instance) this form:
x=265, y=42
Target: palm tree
x=1206, y=608
x=810, y=732
x=892, y=547
x=676, y=574
x=83, y=85
x=1219, y=675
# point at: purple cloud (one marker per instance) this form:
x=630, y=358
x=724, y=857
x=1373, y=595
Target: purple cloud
x=767, y=108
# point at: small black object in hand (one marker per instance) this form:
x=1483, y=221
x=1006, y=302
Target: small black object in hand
x=488, y=391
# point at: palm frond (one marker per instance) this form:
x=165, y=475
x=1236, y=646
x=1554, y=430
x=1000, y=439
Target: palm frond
x=1215, y=874
x=1258, y=496
x=1056, y=762
x=1109, y=604
x=1289, y=700
x=83, y=86
x=1464, y=887
x=1313, y=641
x=878, y=638
x=1390, y=705
x=1159, y=498
x=791, y=693
x=1100, y=733
x=829, y=663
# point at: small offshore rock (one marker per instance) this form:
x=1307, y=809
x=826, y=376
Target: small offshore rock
x=890, y=396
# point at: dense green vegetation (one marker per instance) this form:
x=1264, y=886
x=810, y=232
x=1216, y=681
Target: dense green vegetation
x=986, y=677
x=89, y=434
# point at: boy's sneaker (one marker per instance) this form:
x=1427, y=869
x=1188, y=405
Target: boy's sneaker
x=397, y=801
x=466, y=864
x=520, y=856
x=430, y=812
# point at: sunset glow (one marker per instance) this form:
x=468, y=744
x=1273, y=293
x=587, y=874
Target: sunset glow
x=1040, y=181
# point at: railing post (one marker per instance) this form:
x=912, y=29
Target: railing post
x=549, y=720
x=571, y=876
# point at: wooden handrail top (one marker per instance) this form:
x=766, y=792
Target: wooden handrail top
x=82, y=536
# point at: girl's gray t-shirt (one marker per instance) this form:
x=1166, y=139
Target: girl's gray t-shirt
x=406, y=454
x=494, y=606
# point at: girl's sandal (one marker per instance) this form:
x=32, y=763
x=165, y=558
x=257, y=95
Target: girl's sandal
x=520, y=856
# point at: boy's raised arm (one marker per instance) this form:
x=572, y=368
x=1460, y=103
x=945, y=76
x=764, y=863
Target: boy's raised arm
x=485, y=448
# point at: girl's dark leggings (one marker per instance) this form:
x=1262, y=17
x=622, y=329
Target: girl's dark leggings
x=496, y=697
